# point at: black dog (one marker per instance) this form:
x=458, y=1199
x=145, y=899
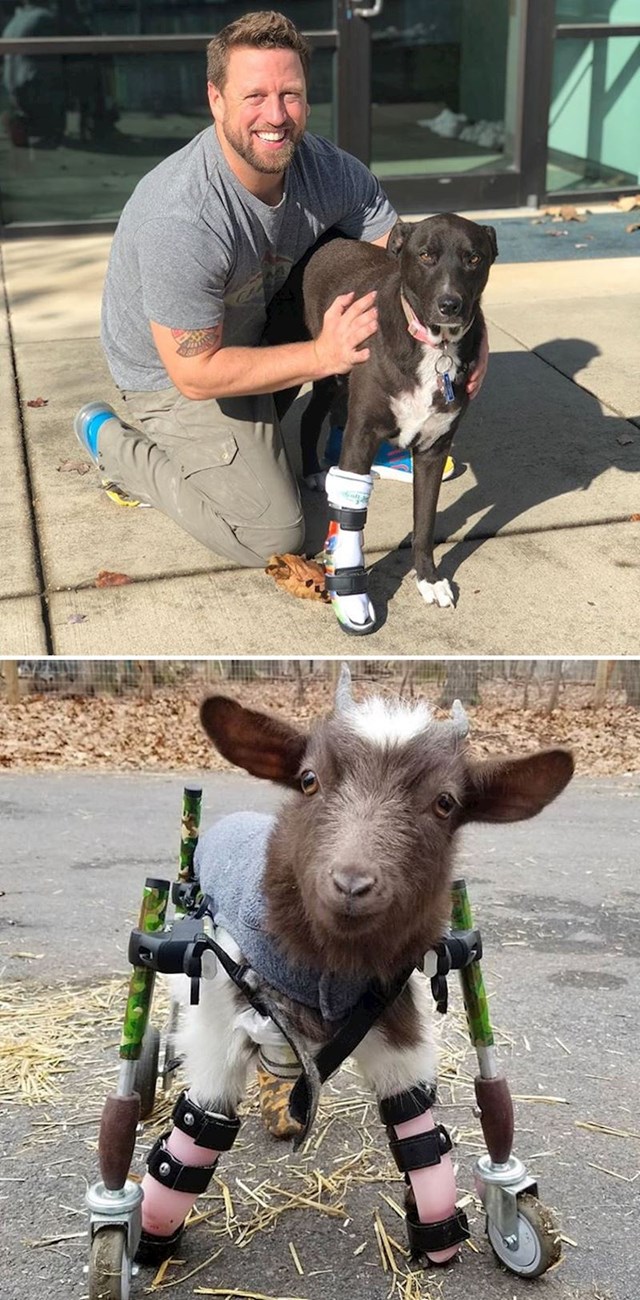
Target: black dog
x=412, y=389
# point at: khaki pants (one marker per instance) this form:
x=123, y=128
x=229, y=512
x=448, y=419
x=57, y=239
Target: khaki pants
x=219, y=468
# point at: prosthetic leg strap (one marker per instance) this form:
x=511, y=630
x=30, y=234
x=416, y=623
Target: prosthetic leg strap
x=428, y=1237
x=346, y=582
x=216, y=1132
x=349, y=518
x=421, y=1151
x=171, y=1172
x=406, y=1105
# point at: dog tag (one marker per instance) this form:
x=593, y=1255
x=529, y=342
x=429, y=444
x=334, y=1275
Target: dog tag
x=447, y=388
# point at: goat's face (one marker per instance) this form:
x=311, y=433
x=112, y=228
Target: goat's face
x=360, y=861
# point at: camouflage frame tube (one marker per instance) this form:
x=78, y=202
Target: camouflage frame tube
x=472, y=983
x=190, y=829
x=153, y=911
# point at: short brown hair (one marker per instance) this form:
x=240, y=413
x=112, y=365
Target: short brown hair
x=266, y=30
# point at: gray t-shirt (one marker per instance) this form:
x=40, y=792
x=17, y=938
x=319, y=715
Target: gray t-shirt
x=194, y=248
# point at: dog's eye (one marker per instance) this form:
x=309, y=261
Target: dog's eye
x=444, y=805
x=474, y=259
x=309, y=783
x=429, y=258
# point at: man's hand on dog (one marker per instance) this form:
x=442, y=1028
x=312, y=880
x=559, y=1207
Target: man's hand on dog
x=347, y=323
x=476, y=378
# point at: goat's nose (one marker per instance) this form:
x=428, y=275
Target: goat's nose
x=352, y=883
x=450, y=304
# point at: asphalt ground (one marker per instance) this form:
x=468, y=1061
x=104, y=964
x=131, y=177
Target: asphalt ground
x=558, y=903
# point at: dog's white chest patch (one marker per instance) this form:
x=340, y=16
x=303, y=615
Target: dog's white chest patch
x=419, y=423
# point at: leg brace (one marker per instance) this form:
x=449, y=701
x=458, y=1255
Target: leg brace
x=421, y=1151
x=180, y=1166
x=346, y=578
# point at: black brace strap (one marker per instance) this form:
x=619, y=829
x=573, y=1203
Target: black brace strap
x=217, y=1132
x=171, y=1172
x=420, y=1151
x=353, y=521
x=406, y=1105
x=428, y=1237
x=347, y=582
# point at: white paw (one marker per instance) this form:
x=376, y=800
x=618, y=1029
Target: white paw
x=317, y=482
x=436, y=593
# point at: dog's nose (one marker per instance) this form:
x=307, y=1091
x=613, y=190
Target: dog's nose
x=352, y=883
x=450, y=304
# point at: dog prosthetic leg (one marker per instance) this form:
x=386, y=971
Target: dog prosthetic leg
x=180, y=1166
x=346, y=578
x=421, y=1151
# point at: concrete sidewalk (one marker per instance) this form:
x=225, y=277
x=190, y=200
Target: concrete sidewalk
x=539, y=533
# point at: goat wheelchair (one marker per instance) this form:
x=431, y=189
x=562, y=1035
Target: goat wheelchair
x=519, y=1227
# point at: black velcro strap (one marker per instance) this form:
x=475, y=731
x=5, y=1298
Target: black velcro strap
x=207, y=1129
x=427, y=1237
x=422, y=1150
x=406, y=1105
x=351, y=520
x=170, y=1172
x=347, y=582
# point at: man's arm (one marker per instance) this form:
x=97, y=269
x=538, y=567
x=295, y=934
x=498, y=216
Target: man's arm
x=201, y=368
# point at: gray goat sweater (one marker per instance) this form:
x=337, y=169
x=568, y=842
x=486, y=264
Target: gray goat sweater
x=230, y=861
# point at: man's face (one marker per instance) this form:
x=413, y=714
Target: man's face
x=263, y=109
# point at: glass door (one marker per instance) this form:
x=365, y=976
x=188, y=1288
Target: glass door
x=447, y=94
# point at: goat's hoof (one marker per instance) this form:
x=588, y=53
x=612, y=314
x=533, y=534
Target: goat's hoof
x=436, y=593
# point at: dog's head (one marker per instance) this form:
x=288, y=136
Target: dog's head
x=444, y=267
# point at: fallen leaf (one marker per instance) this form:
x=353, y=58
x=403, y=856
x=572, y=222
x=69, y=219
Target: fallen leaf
x=74, y=467
x=630, y=202
x=635, y=225
x=567, y=213
x=299, y=576
x=77, y=618
x=555, y=234
x=635, y=519
x=39, y=401
x=107, y=579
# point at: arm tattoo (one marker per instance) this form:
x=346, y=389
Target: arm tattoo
x=192, y=343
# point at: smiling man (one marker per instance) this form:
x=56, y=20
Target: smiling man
x=203, y=245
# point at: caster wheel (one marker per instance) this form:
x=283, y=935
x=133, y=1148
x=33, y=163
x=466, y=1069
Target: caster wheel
x=539, y=1243
x=109, y=1265
x=146, y=1077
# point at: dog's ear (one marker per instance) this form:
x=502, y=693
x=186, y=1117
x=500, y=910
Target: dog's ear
x=493, y=242
x=399, y=234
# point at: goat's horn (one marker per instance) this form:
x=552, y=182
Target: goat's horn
x=344, y=698
x=460, y=719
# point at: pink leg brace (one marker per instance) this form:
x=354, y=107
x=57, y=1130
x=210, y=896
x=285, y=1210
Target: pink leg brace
x=180, y=1166
x=421, y=1151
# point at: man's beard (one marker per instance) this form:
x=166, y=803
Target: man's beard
x=263, y=162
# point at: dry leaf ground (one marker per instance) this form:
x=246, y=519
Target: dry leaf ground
x=106, y=733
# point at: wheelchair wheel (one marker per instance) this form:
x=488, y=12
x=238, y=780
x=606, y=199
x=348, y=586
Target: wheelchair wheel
x=539, y=1243
x=146, y=1077
x=109, y=1265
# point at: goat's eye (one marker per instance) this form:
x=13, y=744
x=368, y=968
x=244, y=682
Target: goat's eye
x=429, y=258
x=444, y=805
x=309, y=783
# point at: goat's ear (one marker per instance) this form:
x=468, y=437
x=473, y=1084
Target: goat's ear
x=262, y=745
x=511, y=789
x=493, y=240
x=396, y=240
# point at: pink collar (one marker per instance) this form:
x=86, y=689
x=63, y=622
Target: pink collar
x=415, y=328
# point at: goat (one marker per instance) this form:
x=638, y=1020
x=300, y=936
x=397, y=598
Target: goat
x=347, y=884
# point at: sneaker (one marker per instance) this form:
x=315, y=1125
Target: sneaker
x=389, y=461
x=87, y=425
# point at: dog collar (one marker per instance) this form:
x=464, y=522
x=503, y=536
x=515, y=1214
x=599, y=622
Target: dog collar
x=414, y=326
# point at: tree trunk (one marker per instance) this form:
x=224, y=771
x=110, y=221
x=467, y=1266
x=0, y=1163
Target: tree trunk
x=555, y=687
x=603, y=673
x=145, y=668
x=12, y=681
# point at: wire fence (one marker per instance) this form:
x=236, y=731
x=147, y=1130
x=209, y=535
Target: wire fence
x=528, y=683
